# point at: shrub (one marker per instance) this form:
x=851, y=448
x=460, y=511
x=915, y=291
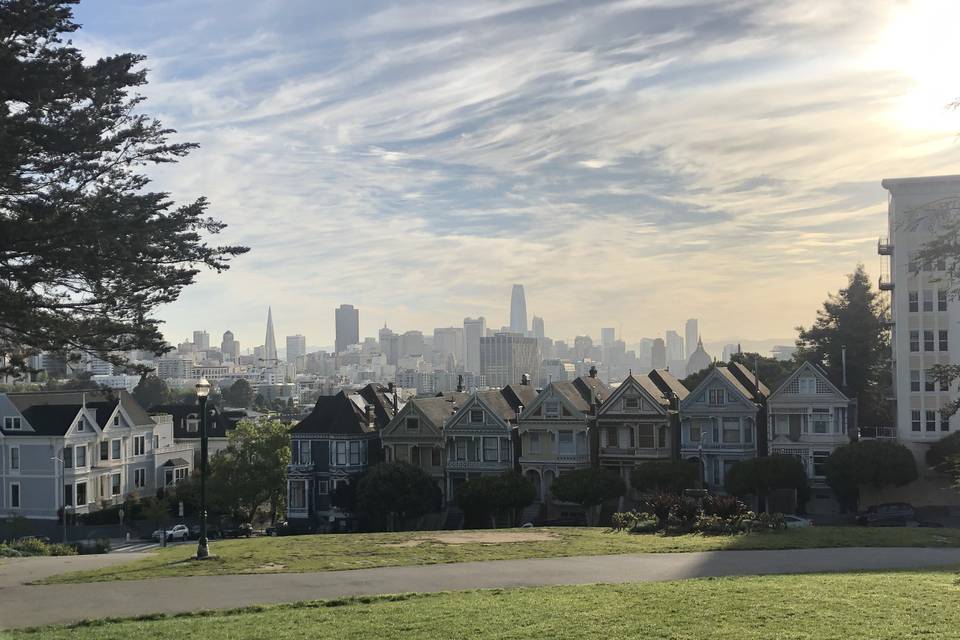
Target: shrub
x=879, y=463
x=941, y=453
x=37, y=547
x=723, y=506
x=764, y=522
x=89, y=547
x=683, y=515
x=665, y=476
x=660, y=506
x=719, y=525
x=634, y=522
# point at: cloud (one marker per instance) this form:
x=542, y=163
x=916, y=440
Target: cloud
x=637, y=162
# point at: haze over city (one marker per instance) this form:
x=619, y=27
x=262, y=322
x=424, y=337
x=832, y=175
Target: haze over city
x=628, y=170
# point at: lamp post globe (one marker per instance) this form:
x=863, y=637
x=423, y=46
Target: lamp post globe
x=203, y=390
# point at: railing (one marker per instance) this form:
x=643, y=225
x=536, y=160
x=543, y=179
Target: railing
x=577, y=457
x=459, y=465
x=878, y=433
x=884, y=248
x=714, y=446
x=301, y=468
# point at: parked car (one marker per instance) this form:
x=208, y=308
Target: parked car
x=244, y=530
x=889, y=514
x=281, y=528
x=212, y=532
x=178, y=532
x=797, y=522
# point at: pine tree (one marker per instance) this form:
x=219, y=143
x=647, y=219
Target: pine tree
x=853, y=318
x=87, y=253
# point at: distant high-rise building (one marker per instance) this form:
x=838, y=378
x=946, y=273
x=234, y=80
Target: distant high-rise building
x=582, y=345
x=448, y=341
x=729, y=350
x=675, y=347
x=473, y=330
x=269, y=343
x=202, y=340
x=607, y=336
x=518, y=311
x=505, y=357
x=348, y=327
x=537, y=328
x=296, y=347
x=658, y=354
x=692, y=333
x=228, y=347
x=411, y=344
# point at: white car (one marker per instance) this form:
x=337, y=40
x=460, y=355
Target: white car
x=796, y=522
x=178, y=532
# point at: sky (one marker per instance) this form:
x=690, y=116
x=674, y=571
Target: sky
x=633, y=163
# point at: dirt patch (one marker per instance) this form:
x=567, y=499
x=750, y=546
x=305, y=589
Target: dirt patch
x=479, y=537
x=271, y=566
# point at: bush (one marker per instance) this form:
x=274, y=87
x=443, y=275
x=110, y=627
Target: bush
x=660, y=506
x=665, y=476
x=683, y=515
x=634, y=522
x=90, y=547
x=723, y=506
x=941, y=453
x=37, y=547
x=879, y=463
x=719, y=525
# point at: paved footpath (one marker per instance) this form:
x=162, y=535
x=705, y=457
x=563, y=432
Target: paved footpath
x=31, y=605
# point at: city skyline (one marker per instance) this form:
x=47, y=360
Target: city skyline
x=747, y=129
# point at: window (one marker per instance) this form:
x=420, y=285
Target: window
x=341, y=453
x=12, y=424
x=68, y=495
x=915, y=420
x=941, y=299
x=156, y=442
x=401, y=452
x=81, y=455
x=298, y=494
x=139, y=445
x=476, y=416
x=193, y=423
x=747, y=433
x=731, y=430
x=435, y=457
x=504, y=449
x=115, y=484
x=116, y=420
x=323, y=487
x=461, y=449
x=820, y=463
x=81, y=494
x=115, y=449
x=694, y=433
x=139, y=478
x=534, y=443
x=355, y=452
x=807, y=385
x=490, y=447
x=14, y=458
x=944, y=384
x=662, y=437
x=716, y=397
x=304, y=457
x=363, y=453
x=928, y=344
x=294, y=451
x=413, y=424
x=929, y=381
x=913, y=301
x=944, y=422
x=928, y=299
x=914, y=341
x=821, y=420
x=931, y=420
x=551, y=409
x=612, y=439
x=944, y=343
x=565, y=443
x=15, y=495
x=645, y=436
x=631, y=404
x=167, y=478
x=67, y=457
x=81, y=424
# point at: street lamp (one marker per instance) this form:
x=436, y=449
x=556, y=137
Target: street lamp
x=203, y=390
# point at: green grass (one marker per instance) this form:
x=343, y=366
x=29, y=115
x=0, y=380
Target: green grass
x=358, y=551
x=844, y=606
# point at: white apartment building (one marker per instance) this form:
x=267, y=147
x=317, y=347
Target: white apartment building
x=924, y=317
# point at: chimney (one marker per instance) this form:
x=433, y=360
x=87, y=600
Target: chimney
x=519, y=411
x=525, y=380
x=460, y=383
x=593, y=371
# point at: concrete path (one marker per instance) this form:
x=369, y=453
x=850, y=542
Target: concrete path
x=25, y=605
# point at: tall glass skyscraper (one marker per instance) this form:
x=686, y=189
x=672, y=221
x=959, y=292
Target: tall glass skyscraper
x=518, y=310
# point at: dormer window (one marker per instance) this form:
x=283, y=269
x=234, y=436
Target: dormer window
x=81, y=424
x=551, y=408
x=476, y=416
x=193, y=423
x=116, y=421
x=808, y=385
x=413, y=424
x=631, y=404
x=12, y=424
x=716, y=397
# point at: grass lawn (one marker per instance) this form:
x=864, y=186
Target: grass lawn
x=818, y=606
x=357, y=551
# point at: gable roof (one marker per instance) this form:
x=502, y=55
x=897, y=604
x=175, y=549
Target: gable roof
x=218, y=425
x=335, y=415
x=727, y=377
x=381, y=399
x=645, y=385
x=817, y=371
x=435, y=410
x=592, y=387
x=748, y=379
x=52, y=413
x=519, y=395
x=667, y=382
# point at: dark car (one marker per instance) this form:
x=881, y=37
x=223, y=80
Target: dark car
x=212, y=532
x=281, y=528
x=244, y=530
x=889, y=514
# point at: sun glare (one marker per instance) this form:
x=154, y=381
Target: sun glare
x=921, y=42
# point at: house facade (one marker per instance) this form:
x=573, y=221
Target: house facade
x=85, y=450
x=809, y=417
x=719, y=423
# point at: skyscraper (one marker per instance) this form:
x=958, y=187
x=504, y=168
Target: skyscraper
x=202, y=340
x=269, y=343
x=518, y=310
x=348, y=327
x=607, y=336
x=505, y=357
x=658, y=354
x=448, y=341
x=537, y=328
x=473, y=330
x=675, y=347
x=692, y=334
x=228, y=347
x=296, y=347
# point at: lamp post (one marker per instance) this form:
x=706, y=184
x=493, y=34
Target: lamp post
x=203, y=390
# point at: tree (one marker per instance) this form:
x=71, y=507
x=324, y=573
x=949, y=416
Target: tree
x=665, y=476
x=589, y=488
x=762, y=476
x=694, y=379
x=151, y=391
x=394, y=491
x=880, y=463
x=239, y=394
x=853, y=318
x=943, y=453
x=486, y=497
x=251, y=472
x=87, y=254
x=772, y=372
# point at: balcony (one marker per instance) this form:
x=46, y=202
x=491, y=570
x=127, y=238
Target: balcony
x=884, y=248
x=473, y=465
x=301, y=468
x=573, y=458
x=878, y=433
x=710, y=445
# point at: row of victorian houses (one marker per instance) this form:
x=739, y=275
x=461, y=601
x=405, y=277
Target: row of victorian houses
x=730, y=416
